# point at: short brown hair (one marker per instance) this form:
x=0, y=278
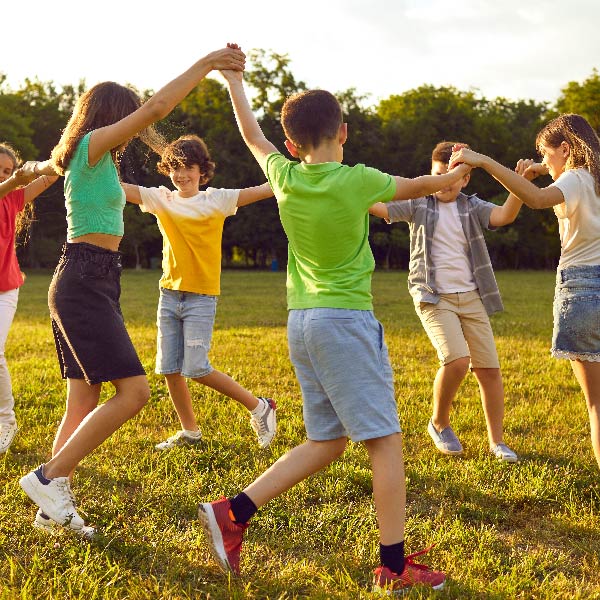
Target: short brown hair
x=443, y=151
x=186, y=151
x=310, y=117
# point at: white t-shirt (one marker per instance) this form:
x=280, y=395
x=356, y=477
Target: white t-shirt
x=449, y=252
x=578, y=219
x=192, y=230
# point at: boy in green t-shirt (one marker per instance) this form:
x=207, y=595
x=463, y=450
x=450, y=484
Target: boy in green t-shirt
x=336, y=344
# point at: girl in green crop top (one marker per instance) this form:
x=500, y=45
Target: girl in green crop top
x=92, y=342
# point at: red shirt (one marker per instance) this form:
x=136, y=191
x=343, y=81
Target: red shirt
x=10, y=273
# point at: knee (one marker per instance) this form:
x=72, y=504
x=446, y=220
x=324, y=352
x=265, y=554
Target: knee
x=488, y=375
x=334, y=448
x=139, y=394
x=459, y=367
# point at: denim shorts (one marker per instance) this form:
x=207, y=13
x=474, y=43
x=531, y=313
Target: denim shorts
x=576, y=310
x=91, y=340
x=344, y=372
x=185, y=325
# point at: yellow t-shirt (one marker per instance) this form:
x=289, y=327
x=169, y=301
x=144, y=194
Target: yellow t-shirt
x=192, y=229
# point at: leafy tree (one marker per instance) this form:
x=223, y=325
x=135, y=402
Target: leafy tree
x=583, y=99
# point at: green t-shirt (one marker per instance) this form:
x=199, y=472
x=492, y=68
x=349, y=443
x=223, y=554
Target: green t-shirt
x=324, y=212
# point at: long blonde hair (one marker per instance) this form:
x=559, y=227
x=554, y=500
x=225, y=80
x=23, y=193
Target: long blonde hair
x=582, y=139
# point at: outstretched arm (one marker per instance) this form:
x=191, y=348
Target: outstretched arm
x=251, y=132
x=35, y=188
x=254, y=194
x=427, y=184
x=526, y=191
x=380, y=209
x=507, y=213
x=132, y=193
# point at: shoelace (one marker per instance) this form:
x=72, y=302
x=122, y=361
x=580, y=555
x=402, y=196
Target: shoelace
x=260, y=422
x=408, y=560
x=65, y=488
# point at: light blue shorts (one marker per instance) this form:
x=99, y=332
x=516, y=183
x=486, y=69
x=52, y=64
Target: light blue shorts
x=185, y=325
x=576, y=332
x=342, y=365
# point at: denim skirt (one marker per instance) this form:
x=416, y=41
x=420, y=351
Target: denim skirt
x=576, y=334
x=91, y=340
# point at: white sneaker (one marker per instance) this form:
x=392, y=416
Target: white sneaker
x=265, y=424
x=7, y=435
x=45, y=523
x=181, y=438
x=504, y=453
x=54, y=497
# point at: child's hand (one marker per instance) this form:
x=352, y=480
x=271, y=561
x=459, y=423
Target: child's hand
x=232, y=76
x=230, y=58
x=530, y=169
x=27, y=173
x=464, y=155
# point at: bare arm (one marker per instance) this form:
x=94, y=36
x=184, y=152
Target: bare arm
x=251, y=132
x=132, y=193
x=380, y=209
x=35, y=188
x=254, y=194
x=507, y=213
x=427, y=184
x=518, y=185
x=18, y=179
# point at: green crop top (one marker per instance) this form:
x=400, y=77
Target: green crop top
x=94, y=196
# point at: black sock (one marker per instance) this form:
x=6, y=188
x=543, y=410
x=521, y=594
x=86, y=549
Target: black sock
x=392, y=557
x=242, y=508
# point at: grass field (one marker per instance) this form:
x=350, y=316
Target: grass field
x=529, y=530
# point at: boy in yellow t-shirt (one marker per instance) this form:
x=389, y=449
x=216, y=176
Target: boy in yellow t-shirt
x=191, y=223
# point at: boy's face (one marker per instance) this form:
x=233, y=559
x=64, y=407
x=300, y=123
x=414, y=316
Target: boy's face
x=186, y=180
x=450, y=193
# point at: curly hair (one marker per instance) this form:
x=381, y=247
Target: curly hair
x=103, y=104
x=186, y=151
x=582, y=139
x=24, y=218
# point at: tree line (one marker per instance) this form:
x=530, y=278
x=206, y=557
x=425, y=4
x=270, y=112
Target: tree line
x=396, y=135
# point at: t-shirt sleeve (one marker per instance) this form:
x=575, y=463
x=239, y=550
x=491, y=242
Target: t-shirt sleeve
x=154, y=198
x=570, y=186
x=17, y=199
x=225, y=200
x=377, y=186
x=276, y=169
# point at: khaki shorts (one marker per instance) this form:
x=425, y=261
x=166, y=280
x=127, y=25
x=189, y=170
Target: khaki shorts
x=459, y=326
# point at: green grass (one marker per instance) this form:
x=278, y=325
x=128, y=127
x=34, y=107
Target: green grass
x=530, y=530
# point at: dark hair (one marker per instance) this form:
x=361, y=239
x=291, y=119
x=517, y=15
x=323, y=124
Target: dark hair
x=186, y=151
x=24, y=218
x=582, y=139
x=443, y=151
x=103, y=104
x=310, y=117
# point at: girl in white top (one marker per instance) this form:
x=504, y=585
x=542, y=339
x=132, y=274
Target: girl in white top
x=570, y=150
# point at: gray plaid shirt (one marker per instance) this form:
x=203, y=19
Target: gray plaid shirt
x=422, y=214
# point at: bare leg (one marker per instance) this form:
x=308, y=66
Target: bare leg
x=446, y=384
x=131, y=395
x=182, y=400
x=492, y=399
x=82, y=399
x=588, y=376
x=389, y=486
x=294, y=466
x=228, y=387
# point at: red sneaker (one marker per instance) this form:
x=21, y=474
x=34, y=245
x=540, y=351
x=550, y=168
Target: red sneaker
x=414, y=574
x=224, y=536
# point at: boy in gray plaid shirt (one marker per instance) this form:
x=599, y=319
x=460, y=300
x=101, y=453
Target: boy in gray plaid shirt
x=454, y=290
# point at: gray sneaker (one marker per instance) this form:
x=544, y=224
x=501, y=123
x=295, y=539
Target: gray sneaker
x=45, y=523
x=7, y=435
x=503, y=453
x=265, y=424
x=54, y=497
x=445, y=441
x=179, y=439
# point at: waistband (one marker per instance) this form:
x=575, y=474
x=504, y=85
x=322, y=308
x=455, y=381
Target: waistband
x=91, y=253
x=577, y=272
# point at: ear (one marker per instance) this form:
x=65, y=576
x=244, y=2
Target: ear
x=466, y=180
x=566, y=148
x=343, y=133
x=291, y=148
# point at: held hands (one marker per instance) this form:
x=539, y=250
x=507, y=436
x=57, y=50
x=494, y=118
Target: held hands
x=229, y=58
x=530, y=169
x=464, y=155
x=27, y=173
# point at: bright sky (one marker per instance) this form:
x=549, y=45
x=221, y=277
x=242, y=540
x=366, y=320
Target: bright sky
x=518, y=49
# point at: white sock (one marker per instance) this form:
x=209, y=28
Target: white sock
x=192, y=434
x=260, y=408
